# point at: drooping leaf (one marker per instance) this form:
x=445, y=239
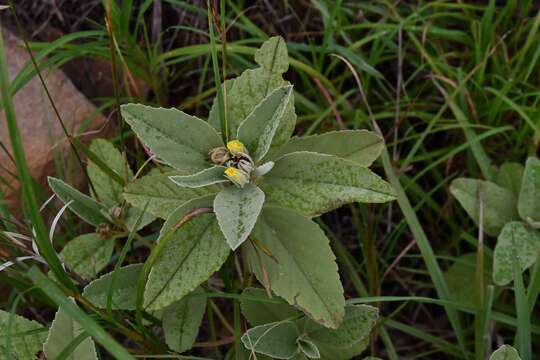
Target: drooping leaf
x=350, y=339
x=527, y=245
x=313, y=183
x=257, y=131
x=360, y=146
x=88, y=254
x=161, y=194
x=505, y=352
x=181, y=140
x=210, y=176
x=124, y=293
x=237, y=210
x=303, y=269
x=263, y=312
x=22, y=334
x=191, y=255
x=499, y=204
x=64, y=330
x=253, y=85
x=84, y=206
x=509, y=177
x=529, y=195
x=181, y=321
x=277, y=340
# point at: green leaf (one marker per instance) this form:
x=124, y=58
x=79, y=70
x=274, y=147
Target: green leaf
x=303, y=270
x=88, y=254
x=162, y=195
x=237, y=210
x=527, y=241
x=23, y=336
x=360, y=146
x=181, y=321
x=505, y=352
x=181, y=140
x=257, y=131
x=132, y=214
x=309, y=348
x=209, y=176
x=509, y=177
x=352, y=336
x=84, y=206
x=64, y=330
x=108, y=191
x=263, y=312
x=529, y=195
x=191, y=255
x=277, y=340
x=313, y=184
x=253, y=85
x=499, y=204
x=124, y=293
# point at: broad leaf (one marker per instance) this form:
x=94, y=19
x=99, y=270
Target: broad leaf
x=515, y=238
x=62, y=332
x=259, y=309
x=499, y=204
x=257, y=131
x=124, y=292
x=277, y=340
x=191, y=255
x=360, y=146
x=181, y=321
x=181, y=140
x=237, y=210
x=509, y=177
x=24, y=337
x=210, y=176
x=309, y=348
x=161, y=194
x=84, y=206
x=303, y=270
x=529, y=196
x=313, y=184
x=253, y=85
x=131, y=216
x=88, y=254
x=505, y=352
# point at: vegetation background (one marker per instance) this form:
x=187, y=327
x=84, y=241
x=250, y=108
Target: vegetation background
x=454, y=86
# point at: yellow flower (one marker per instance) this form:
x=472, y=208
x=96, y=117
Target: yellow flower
x=236, y=147
x=237, y=176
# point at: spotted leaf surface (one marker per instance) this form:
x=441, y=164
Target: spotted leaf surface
x=87, y=254
x=529, y=196
x=28, y=340
x=277, y=340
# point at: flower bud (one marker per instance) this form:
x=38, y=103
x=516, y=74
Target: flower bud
x=236, y=148
x=219, y=155
x=245, y=165
x=103, y=230
x=237, y=176
x=115, y=212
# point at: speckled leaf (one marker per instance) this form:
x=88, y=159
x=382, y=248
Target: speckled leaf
x=509, y=177
x=161, y=194
x=515, y=237
x=124, y=293
x=109, y=192
x=181, y=321
x=303, y=270
x=505, y=352
x=253, y=85
x=87, y=254
x=529, y=196
x=313, y=183
x=266, y=310
x=131, y=216
x=277, y=340
x=63, y=330
x=350, y=339
x=190, y=257
x=181, y=140
x=209, y=176
x=23, y=334
x=83, y=206
x=257, y=131
x=360, y=146
x=499, y=203
x=237, y=210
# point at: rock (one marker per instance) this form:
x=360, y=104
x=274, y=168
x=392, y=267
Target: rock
x=40, y=129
